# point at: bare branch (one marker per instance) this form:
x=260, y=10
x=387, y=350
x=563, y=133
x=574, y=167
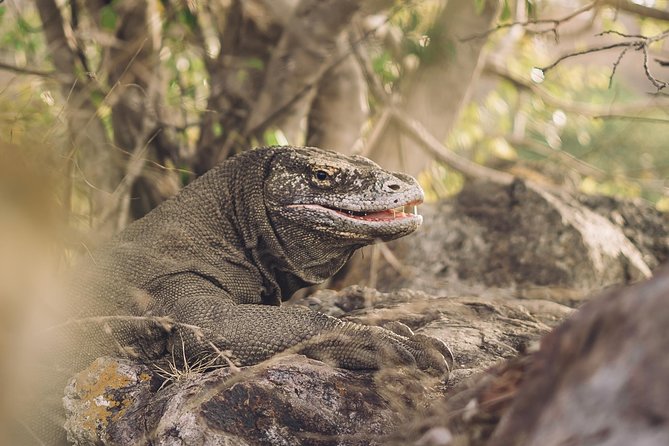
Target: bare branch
x=468, y=168
x=553, y=29
x=362, y=57
x=23, y=70
x=634, y=118
x=635, y=8
x=380, y=127
x=639, y=43
x=618, y=33
x=586, y=51
x=393, y=261
x=615, y=65
x=582, y=108
x=376, y=89
x=656, y=82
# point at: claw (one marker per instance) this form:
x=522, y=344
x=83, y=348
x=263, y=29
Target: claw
x=399, y=328
x=440, y=346
x=435, y=356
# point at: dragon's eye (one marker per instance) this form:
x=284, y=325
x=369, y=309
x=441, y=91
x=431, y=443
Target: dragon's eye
x=322, y=175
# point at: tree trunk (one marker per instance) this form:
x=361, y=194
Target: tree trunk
x=138, y=95
x=100, y=167
x=235, y=75
x=441, y=86
x=339, y=109
x=301, y=57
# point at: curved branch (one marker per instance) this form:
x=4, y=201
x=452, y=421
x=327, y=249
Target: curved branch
x=468, y=168
x=24, y=70
x=554, y=22
x=582, y=108
x=635, y=8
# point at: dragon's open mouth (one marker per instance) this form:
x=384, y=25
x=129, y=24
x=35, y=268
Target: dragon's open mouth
x=405, y=211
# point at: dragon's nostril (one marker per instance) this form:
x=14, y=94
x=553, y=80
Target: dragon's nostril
x=394, y=186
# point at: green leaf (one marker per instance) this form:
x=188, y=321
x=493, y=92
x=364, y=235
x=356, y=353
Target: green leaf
x=275, y=137
x=217, y=128
x=531, y=9
x=414, y=19
x=506, y=12
x=255, y=63
x=108, y=18
x=24, y=27
x=187, y=18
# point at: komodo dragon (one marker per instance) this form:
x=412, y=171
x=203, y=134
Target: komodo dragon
x=208, y=269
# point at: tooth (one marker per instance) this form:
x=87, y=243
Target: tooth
x=415, y=210
x=393, y=213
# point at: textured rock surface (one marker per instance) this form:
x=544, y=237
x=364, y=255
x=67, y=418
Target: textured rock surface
x=601, y=377
x=522, y=239
x=102, y=400
x=598, y=379
x=287, y=401
x=645, y=226
x=293, y=400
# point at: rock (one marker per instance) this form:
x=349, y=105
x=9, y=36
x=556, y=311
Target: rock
x=102, y=399
x=520, y=238
x=601, y=377
x=290, y=400
x=480, y=331
x=598, y=379
x=644, y=225
x=470, y=412
x=294, y=400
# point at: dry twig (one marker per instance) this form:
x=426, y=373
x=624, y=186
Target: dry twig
x=639, y=43
x=553, y=29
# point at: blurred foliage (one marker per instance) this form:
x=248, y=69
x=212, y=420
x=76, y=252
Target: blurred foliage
x=274, y=137
x=20, y=36
x=628, y=156
x=631, y=154
x=503, y=125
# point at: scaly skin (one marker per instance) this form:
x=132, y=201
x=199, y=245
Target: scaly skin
x=208, y=269
x=225, y=252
